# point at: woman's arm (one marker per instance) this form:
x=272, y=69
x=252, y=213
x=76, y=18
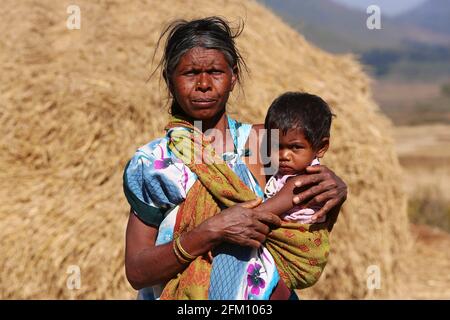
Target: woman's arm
x=147, y=264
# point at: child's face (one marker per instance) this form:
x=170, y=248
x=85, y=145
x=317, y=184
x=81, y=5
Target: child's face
x=296, y=153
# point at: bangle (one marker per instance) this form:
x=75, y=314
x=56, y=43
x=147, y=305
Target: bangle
x=183, y=252
x=177, y=254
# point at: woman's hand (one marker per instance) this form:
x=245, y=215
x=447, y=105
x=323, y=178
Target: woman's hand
x=242, y=224
x=320, y=187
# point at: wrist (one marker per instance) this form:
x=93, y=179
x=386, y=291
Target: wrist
x=213, y=237
x=208, y=237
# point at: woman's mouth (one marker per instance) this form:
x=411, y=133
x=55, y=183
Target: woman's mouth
x=203, y=103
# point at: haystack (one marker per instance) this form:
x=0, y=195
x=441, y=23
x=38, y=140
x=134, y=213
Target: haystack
x=75, y=105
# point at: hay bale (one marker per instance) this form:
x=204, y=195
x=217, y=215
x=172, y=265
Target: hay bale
x=75, y=104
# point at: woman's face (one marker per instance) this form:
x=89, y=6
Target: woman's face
x=201, y=83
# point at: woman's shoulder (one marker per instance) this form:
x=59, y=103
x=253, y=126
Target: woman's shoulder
x=152, y=149
x=155, y=155
x=155, y=160
x=256, y=135
x=155, y=181
x=245, y=132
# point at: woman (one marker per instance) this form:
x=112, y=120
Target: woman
x=196, y=228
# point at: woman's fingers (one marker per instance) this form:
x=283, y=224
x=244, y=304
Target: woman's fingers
x=252, y=236
x=329, y=177
x=251, y=204
x=260, y=237
x=330, y=204
x=261, y=228
x=328, y=194
x=309, y=193
x=327, y=191
x=324, y=180
x=315, y=169
x=253, y=243
x=268, y=218
x=316, y=174
x=305, y=180
x=245, y=226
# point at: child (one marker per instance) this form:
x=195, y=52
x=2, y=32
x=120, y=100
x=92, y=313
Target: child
x=303, y=121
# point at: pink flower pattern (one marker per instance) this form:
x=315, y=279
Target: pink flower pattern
x=253, y=278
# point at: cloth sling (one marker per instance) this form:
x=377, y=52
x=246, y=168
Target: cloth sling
x=300, y=253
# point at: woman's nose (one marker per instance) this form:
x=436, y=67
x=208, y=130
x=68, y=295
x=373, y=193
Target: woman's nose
x=203, y=82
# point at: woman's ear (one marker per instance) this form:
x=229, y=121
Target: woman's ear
x=324, y=144
x=168, y=82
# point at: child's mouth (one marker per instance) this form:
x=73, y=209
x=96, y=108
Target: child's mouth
x=283, y=169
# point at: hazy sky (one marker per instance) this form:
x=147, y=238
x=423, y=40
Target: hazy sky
x=390, y=7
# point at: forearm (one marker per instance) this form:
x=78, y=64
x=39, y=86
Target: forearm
x=280, y=202
x=277, y=205
x=158, y=264
x=152, y=266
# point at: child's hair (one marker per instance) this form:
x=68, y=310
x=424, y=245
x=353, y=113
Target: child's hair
x=298, y=110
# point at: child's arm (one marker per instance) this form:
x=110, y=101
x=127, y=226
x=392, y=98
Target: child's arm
x=281, y=201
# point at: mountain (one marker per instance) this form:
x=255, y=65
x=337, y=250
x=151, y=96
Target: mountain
x=388, y=7
x=433, y=15
x=337, y=28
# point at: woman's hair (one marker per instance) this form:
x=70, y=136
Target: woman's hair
x=210, y=33
x=298, y=110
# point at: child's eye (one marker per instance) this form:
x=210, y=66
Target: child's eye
x=297, y=147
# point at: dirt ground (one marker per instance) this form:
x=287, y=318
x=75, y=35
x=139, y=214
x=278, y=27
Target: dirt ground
x=424, y=153
x=429, y=273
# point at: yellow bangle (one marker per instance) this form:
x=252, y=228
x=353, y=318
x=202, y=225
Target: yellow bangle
x=177, y=254
x=183, y=252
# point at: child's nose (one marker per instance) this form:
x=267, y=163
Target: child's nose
x=284, y=155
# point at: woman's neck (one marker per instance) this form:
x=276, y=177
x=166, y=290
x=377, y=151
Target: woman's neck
x=219, y=122
x=215, y=128
x=222, y=140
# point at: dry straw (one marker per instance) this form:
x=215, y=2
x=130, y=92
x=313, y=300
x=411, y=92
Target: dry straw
x=75, y=104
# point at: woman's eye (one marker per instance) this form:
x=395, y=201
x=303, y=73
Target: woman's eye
x=191, y=72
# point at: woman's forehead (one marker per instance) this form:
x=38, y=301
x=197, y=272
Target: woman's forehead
x=204, y=57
